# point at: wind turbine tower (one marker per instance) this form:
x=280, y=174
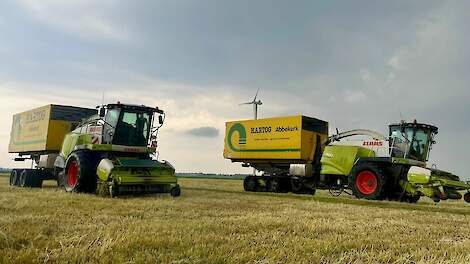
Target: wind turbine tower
x=255, y=105
x=255, y=111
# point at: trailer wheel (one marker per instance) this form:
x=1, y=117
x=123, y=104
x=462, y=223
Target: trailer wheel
x=273, y=185
x=24, y=179
x=80, y=172
x=30, y=178
x=367, y=181
x=249, y=184
x=14, y=177
x=296, y=185
x=302, y=186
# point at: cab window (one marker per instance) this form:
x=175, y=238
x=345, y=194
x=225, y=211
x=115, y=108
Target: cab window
x=133, y=130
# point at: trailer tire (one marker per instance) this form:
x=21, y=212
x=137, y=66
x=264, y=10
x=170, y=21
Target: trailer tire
x=24, y=179
x=273, y=185
x=284, y=184
x=14, y=177
x=249, y=184
x=80, y=172
x=296, y=185
x=367, y=181
x=31, y=178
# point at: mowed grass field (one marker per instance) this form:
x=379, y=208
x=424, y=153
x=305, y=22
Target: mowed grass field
x=214, y=221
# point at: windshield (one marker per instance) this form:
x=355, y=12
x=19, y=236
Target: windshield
x=133, y=129
x=419, y=144
x=111, y=120
x=410, y=143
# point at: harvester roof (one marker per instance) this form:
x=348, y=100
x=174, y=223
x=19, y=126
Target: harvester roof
x=415, y=124
x=142, y=108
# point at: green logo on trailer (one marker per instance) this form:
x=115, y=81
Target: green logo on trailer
x=241, y=136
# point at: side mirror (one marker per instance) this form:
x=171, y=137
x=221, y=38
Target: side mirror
x=102, y=112
x=160, y=120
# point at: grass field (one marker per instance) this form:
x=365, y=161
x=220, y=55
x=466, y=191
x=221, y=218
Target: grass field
x=214, y=221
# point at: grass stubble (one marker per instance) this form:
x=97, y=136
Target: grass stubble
x=214, y=221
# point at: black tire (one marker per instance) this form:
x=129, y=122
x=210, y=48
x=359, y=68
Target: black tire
x=249, y=184
x=14, y=177
x=302, y=186
x=296, y=185
x=23, y=179
x=273, y=185
x=80, y=172
x=413, y=199
x=175, y=191
x=284, y=184
x=466, y=197
x=367, y=181
x=31, y=178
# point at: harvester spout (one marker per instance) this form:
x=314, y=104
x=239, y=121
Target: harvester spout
x=356, y=132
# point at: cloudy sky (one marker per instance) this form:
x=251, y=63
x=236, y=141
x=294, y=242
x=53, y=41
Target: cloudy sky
x=356, y=64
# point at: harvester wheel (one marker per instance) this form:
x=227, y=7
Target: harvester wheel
x=175, y=191
x=80, y=172
x=367, y=181
x=14, y=177
x=249, y=184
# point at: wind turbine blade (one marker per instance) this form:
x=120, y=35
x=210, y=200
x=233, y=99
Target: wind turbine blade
x=246, y=103
x=256, y=95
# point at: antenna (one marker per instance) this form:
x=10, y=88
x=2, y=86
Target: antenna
x=102, y=98
x=401, y=117
x=255, y=104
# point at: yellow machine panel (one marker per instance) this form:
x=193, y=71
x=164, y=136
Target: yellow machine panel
x=29, y=130
x=43, y=129
x=280, y=138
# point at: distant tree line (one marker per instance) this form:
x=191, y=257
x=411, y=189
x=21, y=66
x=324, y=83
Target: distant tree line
x=210, y=175
x=3, y=170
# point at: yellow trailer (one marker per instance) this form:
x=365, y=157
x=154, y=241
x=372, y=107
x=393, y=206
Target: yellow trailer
x=273, y=139
x=276, y=145
x=42, y=130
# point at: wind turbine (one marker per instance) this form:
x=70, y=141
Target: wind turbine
x=255, y=105
x=255, y=112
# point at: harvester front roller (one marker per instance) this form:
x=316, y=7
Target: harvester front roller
x=124, y=176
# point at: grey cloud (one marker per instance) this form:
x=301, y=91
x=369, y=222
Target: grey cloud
x=356, y=64
x=208, y=132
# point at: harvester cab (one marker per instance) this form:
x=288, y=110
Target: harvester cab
x=130, y=125
x=411, y=140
